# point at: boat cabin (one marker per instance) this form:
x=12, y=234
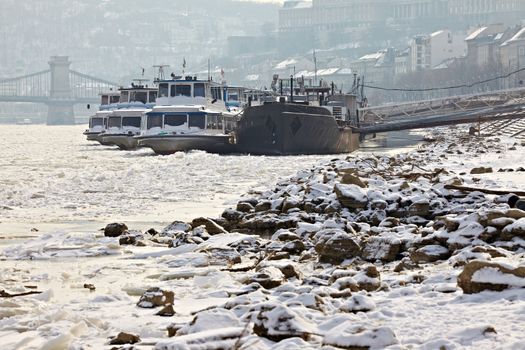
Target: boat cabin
x=125, y=121
x=99, y=121
x=109, y=99
x=138, y=94
x=192, y=91
x=342, y=106
x=172, y=92
x=181, y=120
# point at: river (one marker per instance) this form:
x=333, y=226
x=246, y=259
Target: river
x=52, y=179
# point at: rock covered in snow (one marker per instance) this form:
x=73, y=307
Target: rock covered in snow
x=155, y=297
x=351, y=196
x=355, y=336
x=478, y=276
x=430, y=253
x=278, y=322
x=211, y=226
x=334, y=246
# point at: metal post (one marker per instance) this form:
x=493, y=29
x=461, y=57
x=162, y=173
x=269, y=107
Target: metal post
x=291, y=88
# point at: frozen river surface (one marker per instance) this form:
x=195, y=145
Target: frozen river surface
x=51, y=178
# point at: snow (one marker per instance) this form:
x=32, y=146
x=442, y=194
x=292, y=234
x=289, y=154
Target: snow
x=494, y=276
x=420, y=308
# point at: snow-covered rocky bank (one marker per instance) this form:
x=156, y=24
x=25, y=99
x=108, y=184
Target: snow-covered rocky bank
x=362, y=252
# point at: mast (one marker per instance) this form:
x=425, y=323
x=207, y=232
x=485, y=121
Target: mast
x=160, y=71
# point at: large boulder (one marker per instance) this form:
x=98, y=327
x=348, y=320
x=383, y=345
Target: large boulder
x=421, y=208
x=385, y=248
x=351, y=179
x=355, y=336
x=212, y=227
x=481, y=170
x=278, y=322
x=430, y=253
x=115, y=229
x=351, y=196
x=481, y=275
x=268, y=277
x=516, y=229
x=334, y=246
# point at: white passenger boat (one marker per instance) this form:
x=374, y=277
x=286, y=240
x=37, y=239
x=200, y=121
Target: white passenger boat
x=136, y=97
x=123, y=125
x=98, y=121
x=189, y=114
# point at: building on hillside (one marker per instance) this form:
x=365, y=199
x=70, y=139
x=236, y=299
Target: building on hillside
x=512, y=58
x=486, y=11
x=304, y=25
x=377, y=68
x=484, y=43
x=428, y=51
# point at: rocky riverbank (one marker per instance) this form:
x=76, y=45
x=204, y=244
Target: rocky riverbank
x=417, y=250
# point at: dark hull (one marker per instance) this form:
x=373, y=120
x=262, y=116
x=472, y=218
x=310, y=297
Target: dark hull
x=91, y=136
x=290, y=129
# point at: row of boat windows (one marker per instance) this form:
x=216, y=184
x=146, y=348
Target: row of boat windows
x=138, y=96
x=199, y=90
x=201, y=121
x=110, y=99
x=130, y=96
x=115, y=122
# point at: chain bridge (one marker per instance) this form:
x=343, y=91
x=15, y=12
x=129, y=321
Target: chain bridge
x=59, y=87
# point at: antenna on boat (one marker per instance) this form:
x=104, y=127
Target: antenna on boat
x=209, y=69
x=140, y=82
x=160, y=71
x=315, y=69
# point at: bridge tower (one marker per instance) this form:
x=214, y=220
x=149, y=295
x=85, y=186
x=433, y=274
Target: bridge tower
x=61, y=102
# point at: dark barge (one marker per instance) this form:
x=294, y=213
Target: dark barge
x=310, y=123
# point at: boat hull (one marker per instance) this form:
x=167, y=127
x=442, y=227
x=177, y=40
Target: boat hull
x=292, y=129
x=168, y=144
x=123, y=141
x=91, y=136
x=100, y=139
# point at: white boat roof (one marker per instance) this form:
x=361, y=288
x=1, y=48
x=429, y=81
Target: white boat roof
x=181, y=108
x=102, y=114
x=137, y=112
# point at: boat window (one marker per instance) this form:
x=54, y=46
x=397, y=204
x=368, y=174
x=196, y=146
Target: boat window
x=131, y=121
x=152, y=96
x=104, y=100
x=198, y=120
x=199, y=90
x=139, y=96
x=124, y=95
x=233, y=97
x=114, y=99
x=214, y=121
x=96, y=122
x=154, y=121
x=105, y=123
x=183, y=90
x=163, y=90
x=175, y=120
x=216, y=93
x=114, y=122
